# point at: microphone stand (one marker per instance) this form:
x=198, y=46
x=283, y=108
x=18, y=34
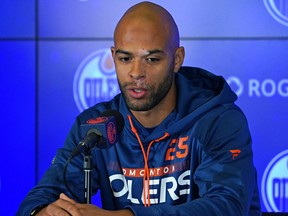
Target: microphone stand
x=87, y=177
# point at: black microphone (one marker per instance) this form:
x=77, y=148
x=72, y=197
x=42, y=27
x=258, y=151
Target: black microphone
x=101, y=132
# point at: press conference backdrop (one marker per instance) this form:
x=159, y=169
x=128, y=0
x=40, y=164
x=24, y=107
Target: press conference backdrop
x=55, y=62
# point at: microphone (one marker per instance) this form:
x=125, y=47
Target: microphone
x=101, y=132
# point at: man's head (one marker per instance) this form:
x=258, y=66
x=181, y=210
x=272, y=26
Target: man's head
x=147, y=14
x=146, y=54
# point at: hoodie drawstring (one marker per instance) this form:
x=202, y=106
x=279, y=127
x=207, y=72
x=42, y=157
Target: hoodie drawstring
x=146, y=177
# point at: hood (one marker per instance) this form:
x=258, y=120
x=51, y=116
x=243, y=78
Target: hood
x=197, y=87
x=198, y=91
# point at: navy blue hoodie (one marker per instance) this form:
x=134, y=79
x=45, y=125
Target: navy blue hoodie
x=198, y=161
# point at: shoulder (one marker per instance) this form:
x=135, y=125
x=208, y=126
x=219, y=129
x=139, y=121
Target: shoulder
x=96, y=110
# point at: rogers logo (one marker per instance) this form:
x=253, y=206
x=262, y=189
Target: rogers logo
x=274, y=186
x=259, y=88
x=235, y=84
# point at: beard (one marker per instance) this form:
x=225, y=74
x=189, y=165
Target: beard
x=156, y=93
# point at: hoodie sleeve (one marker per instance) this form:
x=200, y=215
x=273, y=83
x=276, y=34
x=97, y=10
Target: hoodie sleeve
x=52, y=183
x=225, y=177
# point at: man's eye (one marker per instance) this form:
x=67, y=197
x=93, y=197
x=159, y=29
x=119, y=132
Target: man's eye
x=125, y=59
x=153, y=60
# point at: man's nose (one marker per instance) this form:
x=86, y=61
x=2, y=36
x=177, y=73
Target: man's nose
x=137, y=70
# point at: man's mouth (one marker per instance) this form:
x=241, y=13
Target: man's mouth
x=137, y=93
x=138, y=90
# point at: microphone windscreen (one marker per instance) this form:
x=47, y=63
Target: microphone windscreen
x=118, y=118
x=108, y=126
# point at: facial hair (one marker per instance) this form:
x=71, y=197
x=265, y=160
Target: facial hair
x=156, y=93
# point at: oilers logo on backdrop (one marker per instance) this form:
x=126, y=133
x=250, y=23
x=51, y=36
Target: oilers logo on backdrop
x=274, y=186
x=95, y=80
x=278, y=10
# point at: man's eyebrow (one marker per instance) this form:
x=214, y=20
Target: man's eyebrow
x=122, y=52
x=149, y=52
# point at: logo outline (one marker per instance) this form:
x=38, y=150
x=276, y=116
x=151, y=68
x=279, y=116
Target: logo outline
x=270, y=206
x=275, y=12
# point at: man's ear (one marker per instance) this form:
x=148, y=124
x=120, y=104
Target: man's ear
x=179, y=58
x=112, y=51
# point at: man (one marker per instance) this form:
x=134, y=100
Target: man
x=185, y=148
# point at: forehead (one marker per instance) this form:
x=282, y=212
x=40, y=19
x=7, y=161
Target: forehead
x=141, y=35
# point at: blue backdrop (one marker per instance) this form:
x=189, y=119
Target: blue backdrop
x=55, y=62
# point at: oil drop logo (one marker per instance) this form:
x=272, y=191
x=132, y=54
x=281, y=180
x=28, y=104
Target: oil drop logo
x=274, y=186
x=95, y=80
x=278, y=9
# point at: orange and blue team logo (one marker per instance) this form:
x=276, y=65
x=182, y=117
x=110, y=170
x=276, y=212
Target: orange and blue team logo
x=111, y=132
x=274, y=186
x=95, y=80
x=98, y=120
x=110, y=129
x=278, y=10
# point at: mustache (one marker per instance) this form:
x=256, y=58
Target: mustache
x=137, y=85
